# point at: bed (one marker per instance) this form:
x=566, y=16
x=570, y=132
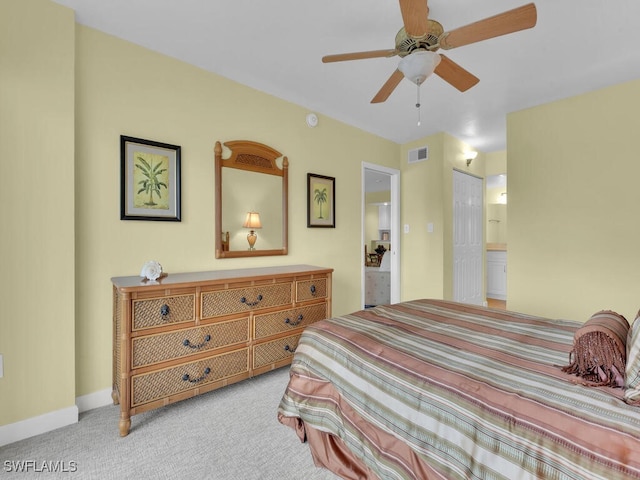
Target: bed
x=431, y=389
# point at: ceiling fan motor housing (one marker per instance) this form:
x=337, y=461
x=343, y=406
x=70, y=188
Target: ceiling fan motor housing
x=406, y=44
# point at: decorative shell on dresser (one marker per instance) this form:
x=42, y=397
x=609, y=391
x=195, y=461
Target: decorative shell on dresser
x=151, y=270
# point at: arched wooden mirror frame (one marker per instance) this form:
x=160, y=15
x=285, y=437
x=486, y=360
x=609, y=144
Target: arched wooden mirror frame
x=253, y=157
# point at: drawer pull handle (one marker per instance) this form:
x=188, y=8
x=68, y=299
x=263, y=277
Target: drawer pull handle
x=186, y=377
x=251, y=304
x=313, y=290
x=289, y=349
x=293, y=324
x=187, y=343
x=164, y=311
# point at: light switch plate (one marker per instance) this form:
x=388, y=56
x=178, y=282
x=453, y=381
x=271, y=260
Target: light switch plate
x=406, y=228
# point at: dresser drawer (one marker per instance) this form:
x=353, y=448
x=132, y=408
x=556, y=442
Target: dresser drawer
x=237, y=300
x=152, y=349
x=311, y=289
x=154, y=312
x=272, y=323
x=274, y=351
x=170, y=381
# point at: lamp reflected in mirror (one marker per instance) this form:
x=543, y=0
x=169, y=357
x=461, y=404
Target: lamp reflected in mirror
x=253, y=222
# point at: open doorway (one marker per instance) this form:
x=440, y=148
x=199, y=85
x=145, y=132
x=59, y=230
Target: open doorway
x=380, y=242
x=496, y=227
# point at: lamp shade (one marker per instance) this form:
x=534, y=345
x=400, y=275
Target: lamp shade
x=252, y=220
x=418, y=65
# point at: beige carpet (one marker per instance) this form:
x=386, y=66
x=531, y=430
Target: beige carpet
x=231, y=433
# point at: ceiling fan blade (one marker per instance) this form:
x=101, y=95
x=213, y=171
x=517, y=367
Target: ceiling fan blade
x=388, y=88
x=415, y=16
x=341, y=57
x=455, y=75
x=511, y=21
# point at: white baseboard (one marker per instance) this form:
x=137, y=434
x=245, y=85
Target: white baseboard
x=93, y=400
x=50, y=421
x=37, y=425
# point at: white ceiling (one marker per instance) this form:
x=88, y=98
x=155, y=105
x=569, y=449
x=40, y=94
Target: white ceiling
x=276, y=47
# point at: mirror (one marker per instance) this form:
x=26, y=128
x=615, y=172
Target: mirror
x=252, y=180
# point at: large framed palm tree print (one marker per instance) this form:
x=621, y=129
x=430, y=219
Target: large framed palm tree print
x=150, y=180
x=321, y=201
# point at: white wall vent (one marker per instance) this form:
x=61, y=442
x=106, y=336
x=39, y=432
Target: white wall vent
x=419, y=154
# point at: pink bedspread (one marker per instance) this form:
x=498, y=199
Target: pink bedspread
x=434, y=389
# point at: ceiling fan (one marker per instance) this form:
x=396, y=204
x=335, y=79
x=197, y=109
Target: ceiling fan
x=420, y=37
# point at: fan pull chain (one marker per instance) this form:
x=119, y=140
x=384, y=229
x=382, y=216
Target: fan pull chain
x=418, y=104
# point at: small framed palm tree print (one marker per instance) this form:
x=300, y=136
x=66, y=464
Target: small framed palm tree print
x=150, y=180
x=321, y=201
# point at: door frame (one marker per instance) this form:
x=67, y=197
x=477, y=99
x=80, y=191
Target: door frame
x=394, y=177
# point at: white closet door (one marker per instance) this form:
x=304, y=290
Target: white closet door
x=467, y=238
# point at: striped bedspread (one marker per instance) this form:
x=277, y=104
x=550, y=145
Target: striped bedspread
x=430, y=389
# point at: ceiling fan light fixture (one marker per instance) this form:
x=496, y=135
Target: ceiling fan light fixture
x=418, y=65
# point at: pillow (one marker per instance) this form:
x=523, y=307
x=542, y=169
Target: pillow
x=600, y=350
x=632, y=371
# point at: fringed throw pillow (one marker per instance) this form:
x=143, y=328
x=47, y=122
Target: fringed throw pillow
x=600, y=351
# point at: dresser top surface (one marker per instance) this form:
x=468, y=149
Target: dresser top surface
x=171, y=279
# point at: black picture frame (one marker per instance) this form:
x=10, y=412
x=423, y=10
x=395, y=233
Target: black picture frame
x=321, y=190
x=149, y=180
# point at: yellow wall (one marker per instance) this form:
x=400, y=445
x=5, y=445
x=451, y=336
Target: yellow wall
x=421, y=187
x=68, y=93
x=126, y=89
x=37, y=202
x=122, y=89
x=573, y=205
x=71, y=91
x=495, y=162
x=427, y=197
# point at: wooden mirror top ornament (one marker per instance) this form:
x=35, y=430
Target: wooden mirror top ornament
x=250, y=157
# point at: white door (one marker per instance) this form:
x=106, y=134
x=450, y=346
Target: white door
x=467, y=238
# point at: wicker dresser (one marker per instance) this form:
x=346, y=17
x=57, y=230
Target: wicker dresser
x=190, y=333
